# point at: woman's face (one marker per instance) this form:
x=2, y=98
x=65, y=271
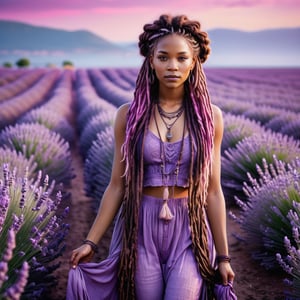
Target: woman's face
x=172, y=61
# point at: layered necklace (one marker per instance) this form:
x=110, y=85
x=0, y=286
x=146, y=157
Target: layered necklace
x=171, y=116
x=165, y=212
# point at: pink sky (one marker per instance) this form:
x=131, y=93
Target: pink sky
x=122, y=20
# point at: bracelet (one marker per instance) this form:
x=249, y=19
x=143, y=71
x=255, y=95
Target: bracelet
x=92, y=244
x=223, y=258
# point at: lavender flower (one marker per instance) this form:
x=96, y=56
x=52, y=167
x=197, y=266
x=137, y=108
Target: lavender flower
x=264, y=217
x=40, y=231
x=7, y=256
x=291, y=263
x=242, y=160
x=15, y=291
x=4, y=203
x=50, y=151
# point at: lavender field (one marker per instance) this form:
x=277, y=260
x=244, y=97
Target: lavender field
x=50, y=118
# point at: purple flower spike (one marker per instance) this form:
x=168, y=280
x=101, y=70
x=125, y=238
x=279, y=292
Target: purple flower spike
x=11, y=245
x=4, y=202
x=16, y=290
x=17, y=222
x=3, y=271
x=291, y=263
x=7, y=256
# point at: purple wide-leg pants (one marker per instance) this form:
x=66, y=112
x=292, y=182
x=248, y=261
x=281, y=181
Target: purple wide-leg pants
x=166, y=267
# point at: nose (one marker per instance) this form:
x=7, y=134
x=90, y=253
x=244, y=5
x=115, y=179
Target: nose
x=172, y=66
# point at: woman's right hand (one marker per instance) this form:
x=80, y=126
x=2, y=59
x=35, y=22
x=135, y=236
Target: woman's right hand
x=82, y=254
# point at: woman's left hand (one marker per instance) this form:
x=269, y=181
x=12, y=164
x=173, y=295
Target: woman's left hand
x=226, y=272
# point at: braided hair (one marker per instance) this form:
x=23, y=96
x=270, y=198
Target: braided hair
x=198, y=111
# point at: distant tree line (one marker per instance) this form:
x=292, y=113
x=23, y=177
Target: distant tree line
x=25, y=62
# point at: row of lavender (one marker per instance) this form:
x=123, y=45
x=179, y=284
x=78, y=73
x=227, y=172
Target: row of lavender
x=260, y=153
x=35, y=137
x=261, y=162
x=257, y=105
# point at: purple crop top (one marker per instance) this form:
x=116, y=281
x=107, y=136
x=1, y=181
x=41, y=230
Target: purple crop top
x=152, y=161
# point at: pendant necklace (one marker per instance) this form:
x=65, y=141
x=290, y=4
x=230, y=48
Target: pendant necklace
x=169, y=115
x=165, y=212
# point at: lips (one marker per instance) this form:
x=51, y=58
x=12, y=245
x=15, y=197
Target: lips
x=172, y=76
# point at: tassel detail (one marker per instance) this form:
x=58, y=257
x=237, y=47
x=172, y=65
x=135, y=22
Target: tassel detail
x=165, y=213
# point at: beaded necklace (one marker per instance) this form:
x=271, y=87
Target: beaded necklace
x=169, y=115
x=165, y=212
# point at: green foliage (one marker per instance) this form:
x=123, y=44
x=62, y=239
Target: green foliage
x=67, y=63
x=23, y=62
x=7, y=64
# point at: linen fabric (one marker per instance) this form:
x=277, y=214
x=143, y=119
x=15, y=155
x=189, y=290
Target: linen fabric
x=164, y=259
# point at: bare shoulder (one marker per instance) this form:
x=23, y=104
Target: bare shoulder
x=218, y=119
x=121, y=117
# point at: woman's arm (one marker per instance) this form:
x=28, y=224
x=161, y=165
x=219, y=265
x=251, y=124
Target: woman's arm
x=216, y=209
x=113, y=195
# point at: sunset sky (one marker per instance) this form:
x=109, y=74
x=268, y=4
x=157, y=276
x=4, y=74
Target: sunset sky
x=122, y=20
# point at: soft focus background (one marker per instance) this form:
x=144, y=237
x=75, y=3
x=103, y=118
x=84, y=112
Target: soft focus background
x=105, y=33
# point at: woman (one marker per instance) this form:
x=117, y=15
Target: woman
x=170, y=233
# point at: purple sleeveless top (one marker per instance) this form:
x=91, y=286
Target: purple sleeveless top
x=152, y=162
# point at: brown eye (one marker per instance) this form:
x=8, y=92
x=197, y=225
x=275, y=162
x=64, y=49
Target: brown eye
x=162, y=58
x=182, y=58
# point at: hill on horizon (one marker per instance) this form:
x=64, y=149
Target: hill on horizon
x=273, y=47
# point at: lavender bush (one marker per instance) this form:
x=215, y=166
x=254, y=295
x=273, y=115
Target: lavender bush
x=13, y=108
x=234, y=107
x=30, y=211
x=129, y=74
x=114, y=75
x=264, y=216
x=292, y=129
x=51, y=120
x=50, y=151
x=61, y=99
x=108, y=89
x=236, y=128
x=239, y=161
x=98, y=165
x=291, y=263
x=19, y=161
x=277, y=123
x=97, y=124
x=92, y=110
x=15, y=290
x=21, y=84
x=262, y=114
